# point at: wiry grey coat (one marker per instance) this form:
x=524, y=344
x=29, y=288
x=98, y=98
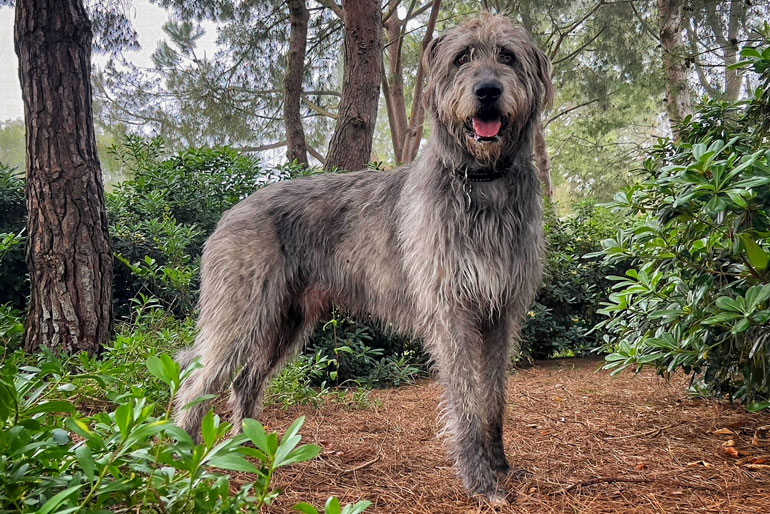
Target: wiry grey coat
x=454, y=261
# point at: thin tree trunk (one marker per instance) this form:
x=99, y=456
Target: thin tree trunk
x=678, y=104
x=542, y=160
x=393, y=82
x=733, y=79
x=729, y=45
x=417, y=117
x=540, y=149
x=295, y=135
x=396, y=140
x=68, y=252
x=351, y=143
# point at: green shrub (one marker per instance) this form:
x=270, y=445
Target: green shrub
x=697, y=295
x=160, y=218
x=14, y=286
x=333, y=507
x=363, y=353
x=565, y=310
x=56, y=458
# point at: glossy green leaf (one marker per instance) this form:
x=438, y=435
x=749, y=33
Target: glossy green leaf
x=755, y=254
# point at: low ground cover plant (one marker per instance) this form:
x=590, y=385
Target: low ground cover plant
x=60, y=451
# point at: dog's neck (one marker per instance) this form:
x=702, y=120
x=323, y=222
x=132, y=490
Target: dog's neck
x=488, y=173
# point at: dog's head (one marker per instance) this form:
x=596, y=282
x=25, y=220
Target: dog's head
x=486, y=81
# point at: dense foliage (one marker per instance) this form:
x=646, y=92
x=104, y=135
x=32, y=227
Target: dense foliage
x=697, y=297
x=132, y=455
x=95, y=434
x=13, y=216
x=160, y=218
x=559, y=322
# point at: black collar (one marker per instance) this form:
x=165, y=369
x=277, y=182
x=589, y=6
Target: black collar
x=480, y=175
x=487, y=174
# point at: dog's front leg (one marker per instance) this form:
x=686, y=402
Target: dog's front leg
x=493, y=376
x=458, y=354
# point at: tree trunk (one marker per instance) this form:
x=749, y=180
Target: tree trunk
x=351, y=143
x=678, y=104
x=733, y=79
x=393, y=82
x=295, y=135
x=729, y=45
x=68, y=251
x=417, y=117
x=542, y=160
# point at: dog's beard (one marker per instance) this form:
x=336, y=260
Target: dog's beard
x=486, y=134
x=485, y=152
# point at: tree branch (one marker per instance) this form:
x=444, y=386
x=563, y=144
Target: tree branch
x=569, y=110
x=316, y=154
x=317, y=108
x=331, y=4
x=391, y=11
x=261, y=148
x=692, y=38
x=580, y=48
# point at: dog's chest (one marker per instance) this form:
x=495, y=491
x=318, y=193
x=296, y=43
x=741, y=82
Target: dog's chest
x=499, y=258
x=480, y=258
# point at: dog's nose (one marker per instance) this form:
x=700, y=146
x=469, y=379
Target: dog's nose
x=488, y=92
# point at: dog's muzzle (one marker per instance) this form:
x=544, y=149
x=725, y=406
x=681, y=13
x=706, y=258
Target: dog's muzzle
x=488, y=123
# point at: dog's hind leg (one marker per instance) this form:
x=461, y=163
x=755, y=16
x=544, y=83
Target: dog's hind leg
x=219, y=347
x=242, y=291
x=296, y=322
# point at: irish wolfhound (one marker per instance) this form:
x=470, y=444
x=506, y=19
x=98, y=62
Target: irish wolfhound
x=448, y=248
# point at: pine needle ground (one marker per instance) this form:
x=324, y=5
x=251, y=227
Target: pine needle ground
x=584, y=442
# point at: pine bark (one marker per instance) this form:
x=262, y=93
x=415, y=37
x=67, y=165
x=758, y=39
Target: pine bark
x=678, y=103
x=69, y=253
x=351, y=143
x=295, y=134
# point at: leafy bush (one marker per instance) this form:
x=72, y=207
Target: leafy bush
x=13, y=216
x=333, y=507
x=301, y=382
x=132, y=457
x=565, y=309
x=160, y=218
x=697, y=296
x=365, y=354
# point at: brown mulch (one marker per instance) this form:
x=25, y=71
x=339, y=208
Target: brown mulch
x=585, y=442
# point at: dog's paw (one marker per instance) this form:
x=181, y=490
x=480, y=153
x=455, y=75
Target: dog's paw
x=496, y=497
x=518, y=474
x=503, y=470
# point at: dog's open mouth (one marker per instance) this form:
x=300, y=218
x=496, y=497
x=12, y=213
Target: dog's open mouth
x=486, y=126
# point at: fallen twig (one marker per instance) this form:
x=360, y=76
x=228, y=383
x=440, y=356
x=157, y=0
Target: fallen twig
x=610, y=480
x=362, y=466
x=655, y=432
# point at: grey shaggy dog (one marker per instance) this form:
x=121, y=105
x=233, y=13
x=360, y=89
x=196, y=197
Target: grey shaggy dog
x=448, y=248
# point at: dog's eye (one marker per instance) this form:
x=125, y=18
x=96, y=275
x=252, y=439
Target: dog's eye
x=463, y=58
x=506, y=58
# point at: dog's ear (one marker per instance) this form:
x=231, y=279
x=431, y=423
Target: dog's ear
x=428, y=63
x=543, y=65
x=430, y=53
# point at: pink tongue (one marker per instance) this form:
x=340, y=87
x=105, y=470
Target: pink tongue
x=486, y=128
